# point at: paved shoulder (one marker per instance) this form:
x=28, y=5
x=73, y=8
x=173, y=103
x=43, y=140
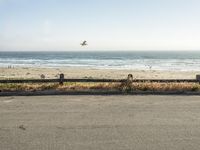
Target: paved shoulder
x=100, y=122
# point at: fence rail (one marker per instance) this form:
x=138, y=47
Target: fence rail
x=61, y=80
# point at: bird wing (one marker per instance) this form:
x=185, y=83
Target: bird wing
x=84, y=43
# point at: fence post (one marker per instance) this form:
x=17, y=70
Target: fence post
x=130, y=78
x=62, y=76
x=198, y=78
x=129, y=83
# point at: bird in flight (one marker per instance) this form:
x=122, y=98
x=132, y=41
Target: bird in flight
x=84, y=43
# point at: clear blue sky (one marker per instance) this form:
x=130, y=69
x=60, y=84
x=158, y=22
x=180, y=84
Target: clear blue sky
x=105, y=24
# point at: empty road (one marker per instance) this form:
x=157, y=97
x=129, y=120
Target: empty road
x=100, y=123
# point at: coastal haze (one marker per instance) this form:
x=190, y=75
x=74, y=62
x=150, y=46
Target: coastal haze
x=38, y=25
x=99, y=39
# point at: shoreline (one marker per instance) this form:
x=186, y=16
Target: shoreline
x=79, y=72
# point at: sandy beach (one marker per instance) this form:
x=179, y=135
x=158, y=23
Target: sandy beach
x=6, y=73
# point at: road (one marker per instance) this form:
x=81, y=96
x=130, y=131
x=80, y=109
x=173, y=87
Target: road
x=100, y=123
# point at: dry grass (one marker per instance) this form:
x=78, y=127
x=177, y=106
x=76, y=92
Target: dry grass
x=90, y=86
x=147, y=86
x=166, y=86
x=27, y=87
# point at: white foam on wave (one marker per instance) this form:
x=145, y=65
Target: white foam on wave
x=149, y=60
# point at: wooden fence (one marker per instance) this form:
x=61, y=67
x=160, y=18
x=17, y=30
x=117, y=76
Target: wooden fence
x=61, y=80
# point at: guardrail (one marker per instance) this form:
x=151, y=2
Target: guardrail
x=129, y=79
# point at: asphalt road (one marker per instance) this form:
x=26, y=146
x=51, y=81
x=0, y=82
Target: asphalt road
x=100, y=123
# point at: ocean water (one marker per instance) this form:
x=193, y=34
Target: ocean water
x=142, y=60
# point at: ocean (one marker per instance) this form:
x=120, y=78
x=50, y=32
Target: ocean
x=141, y=60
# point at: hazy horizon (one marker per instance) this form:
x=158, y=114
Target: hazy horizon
x=102, y=50
x=114, y=25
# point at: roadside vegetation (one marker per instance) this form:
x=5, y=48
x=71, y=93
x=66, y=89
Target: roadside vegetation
x=123, y=87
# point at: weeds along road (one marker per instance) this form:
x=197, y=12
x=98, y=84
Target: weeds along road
x=100, y=123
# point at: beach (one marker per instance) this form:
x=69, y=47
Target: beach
x=115, y=65
x=78, y=72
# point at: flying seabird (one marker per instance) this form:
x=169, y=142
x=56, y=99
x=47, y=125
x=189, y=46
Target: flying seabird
x=84, y=43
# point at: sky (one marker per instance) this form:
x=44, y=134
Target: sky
x=106, y=24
